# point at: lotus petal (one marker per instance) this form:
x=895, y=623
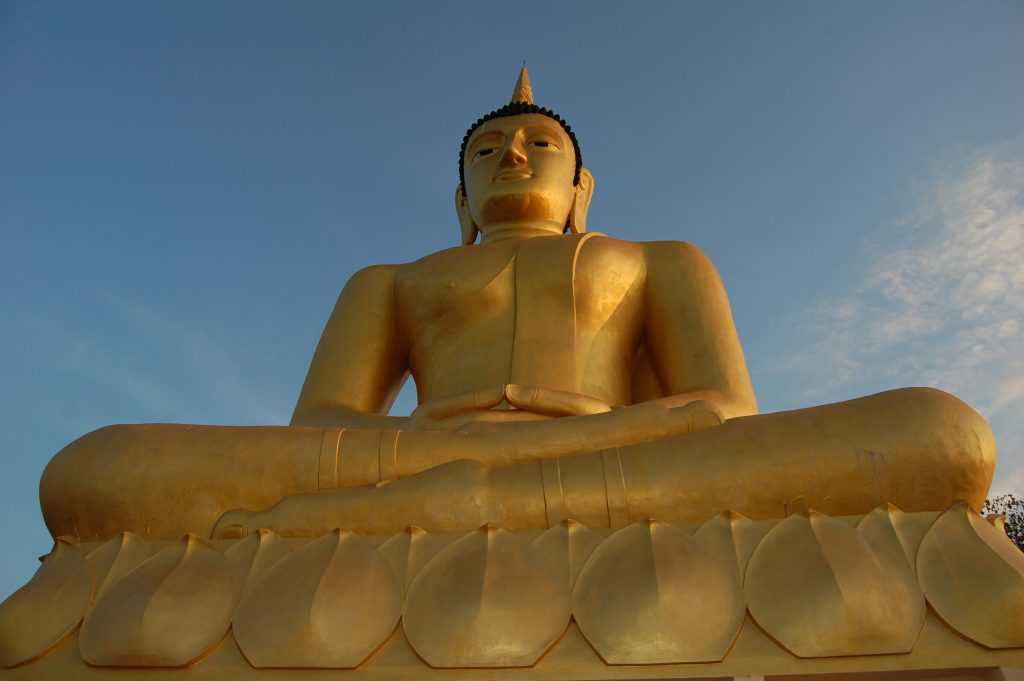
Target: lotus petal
x=40, y=614
x=653, y=593
x=491, y=599
x=329, y=604
x=824, y=588
x=167, y=612
x=973, y=575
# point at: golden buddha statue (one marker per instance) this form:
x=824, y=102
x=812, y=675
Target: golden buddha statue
x=560, y=373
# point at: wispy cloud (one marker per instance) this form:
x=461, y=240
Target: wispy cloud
x=209, y=363
x=170, y=370
x=88, y=358
x=945, y=309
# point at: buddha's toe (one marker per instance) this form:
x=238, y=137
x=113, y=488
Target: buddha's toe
x=233, y=525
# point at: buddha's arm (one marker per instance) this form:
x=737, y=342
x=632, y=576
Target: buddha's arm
x=360, y=363
x=690, y=334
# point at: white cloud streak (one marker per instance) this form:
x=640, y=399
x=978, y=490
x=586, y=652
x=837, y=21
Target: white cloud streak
x=207, y=361
x=946, y=311
x=170, y=370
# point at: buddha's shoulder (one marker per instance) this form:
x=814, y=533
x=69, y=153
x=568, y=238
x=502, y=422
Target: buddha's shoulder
x=389, y=272
x=373, y=276
x=673, y=255
x=655, y=254
x=438, y=258
x=658, y=249
x=448, y=260
x=676, y=255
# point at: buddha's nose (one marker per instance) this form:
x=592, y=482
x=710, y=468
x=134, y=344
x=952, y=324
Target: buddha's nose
x=512, y=157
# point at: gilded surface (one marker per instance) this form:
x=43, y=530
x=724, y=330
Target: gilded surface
x=250, y=559
x=491, y=599
x=167, y=612
x=560, y=374
x=407, y=552
x=860, y=580
x=571, y=388
x=654, y=593
x=973, y=576
x=115, y=558
x=38, y=615
x=328, y=604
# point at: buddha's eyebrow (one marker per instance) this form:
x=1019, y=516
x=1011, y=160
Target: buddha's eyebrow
x=489, y=136
x=540, y=127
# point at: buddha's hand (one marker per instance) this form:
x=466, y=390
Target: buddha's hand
x=557, y=403
x=504, y=443
x=510, y=402
x=451, y=412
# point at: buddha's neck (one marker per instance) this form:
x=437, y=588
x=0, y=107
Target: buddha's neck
x=508, y=231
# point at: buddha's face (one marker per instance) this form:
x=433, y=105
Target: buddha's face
x=520, y=169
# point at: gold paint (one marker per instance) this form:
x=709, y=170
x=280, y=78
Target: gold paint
x=570, y=544
x=531, y=206
x=40, y=614
x=330, y=451
x=167, y=612
x=823, y=588
x=973, y=575
x=569, y=383
x=523, y=92
x=409, y=551
x=533, y=346
x=654, y=594
x=160, y=481
x=115, y=558
x=615, y=488
x=941, y=655
x=887, y=530
x=559, y=554
x=490, y=599
x=329, y=604
x=536, y=345
x=251, y=558
x=387, y=456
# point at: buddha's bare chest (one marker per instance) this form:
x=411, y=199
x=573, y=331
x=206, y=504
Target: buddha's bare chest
x=486, y=300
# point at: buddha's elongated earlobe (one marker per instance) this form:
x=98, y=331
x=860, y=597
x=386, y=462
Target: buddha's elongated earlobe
x=584, y=192
x=469, y=228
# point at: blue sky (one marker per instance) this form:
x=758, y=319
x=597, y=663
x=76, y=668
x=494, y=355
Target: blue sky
x=185, y=187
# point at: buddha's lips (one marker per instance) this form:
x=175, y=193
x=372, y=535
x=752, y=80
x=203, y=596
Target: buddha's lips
x=513, y=175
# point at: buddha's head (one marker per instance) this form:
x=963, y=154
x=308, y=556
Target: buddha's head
x=520, y=172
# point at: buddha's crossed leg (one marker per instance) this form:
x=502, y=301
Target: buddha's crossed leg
x=918, y=448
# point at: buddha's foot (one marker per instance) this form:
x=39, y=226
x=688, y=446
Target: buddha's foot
x=235, y=525
x=239, y=524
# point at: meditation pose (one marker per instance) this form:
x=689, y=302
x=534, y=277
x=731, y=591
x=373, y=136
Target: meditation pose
x=560, y=373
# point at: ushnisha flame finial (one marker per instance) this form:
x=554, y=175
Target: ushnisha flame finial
x=523, y=92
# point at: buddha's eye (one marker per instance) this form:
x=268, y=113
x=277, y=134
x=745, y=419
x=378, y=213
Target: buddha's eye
x=543, y=144
x=482, y=153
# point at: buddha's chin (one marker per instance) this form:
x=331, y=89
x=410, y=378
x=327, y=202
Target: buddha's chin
x=517, y=207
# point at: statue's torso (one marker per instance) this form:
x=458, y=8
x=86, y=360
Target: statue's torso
x=563, y=313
